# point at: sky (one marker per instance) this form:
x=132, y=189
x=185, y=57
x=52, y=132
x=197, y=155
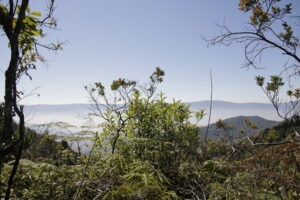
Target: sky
x=108, y=39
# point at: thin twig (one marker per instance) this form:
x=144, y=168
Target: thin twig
x=210, y=106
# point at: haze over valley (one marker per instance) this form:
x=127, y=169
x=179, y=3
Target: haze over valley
x=76, y=113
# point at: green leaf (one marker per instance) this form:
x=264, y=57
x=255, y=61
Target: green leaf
x=36, y=13
x=36, y=32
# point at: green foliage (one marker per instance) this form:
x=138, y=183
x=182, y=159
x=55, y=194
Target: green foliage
x=272, y=90
x=265, y=12
x=273, y=171
x=42, y=180
x=151, y=130
x=44, y=148
x=260, y=80
x=250, y=124
x=158, y=155
x=122, y=83
x=150, y=149
x=169, y=134
x=285, y=130
x=31, y=33
x=142, y=181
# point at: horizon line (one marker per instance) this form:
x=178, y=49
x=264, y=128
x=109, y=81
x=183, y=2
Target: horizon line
x=186, y=102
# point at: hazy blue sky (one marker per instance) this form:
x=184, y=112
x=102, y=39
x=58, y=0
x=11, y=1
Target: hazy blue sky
x=108, y=39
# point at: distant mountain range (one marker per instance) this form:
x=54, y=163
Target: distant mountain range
x=238, y=124
x=263, y=115
x=74, y=113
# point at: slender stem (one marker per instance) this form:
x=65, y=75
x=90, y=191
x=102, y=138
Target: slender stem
x=210, y=106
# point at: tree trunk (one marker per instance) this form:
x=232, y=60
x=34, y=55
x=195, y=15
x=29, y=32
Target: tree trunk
x=6, y=139
x=18, y=153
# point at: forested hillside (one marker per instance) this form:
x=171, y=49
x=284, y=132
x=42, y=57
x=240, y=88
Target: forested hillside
x=238, y=128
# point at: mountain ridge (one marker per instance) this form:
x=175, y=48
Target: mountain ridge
x=238, y=124
x=186, y=102
x=43, y=113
